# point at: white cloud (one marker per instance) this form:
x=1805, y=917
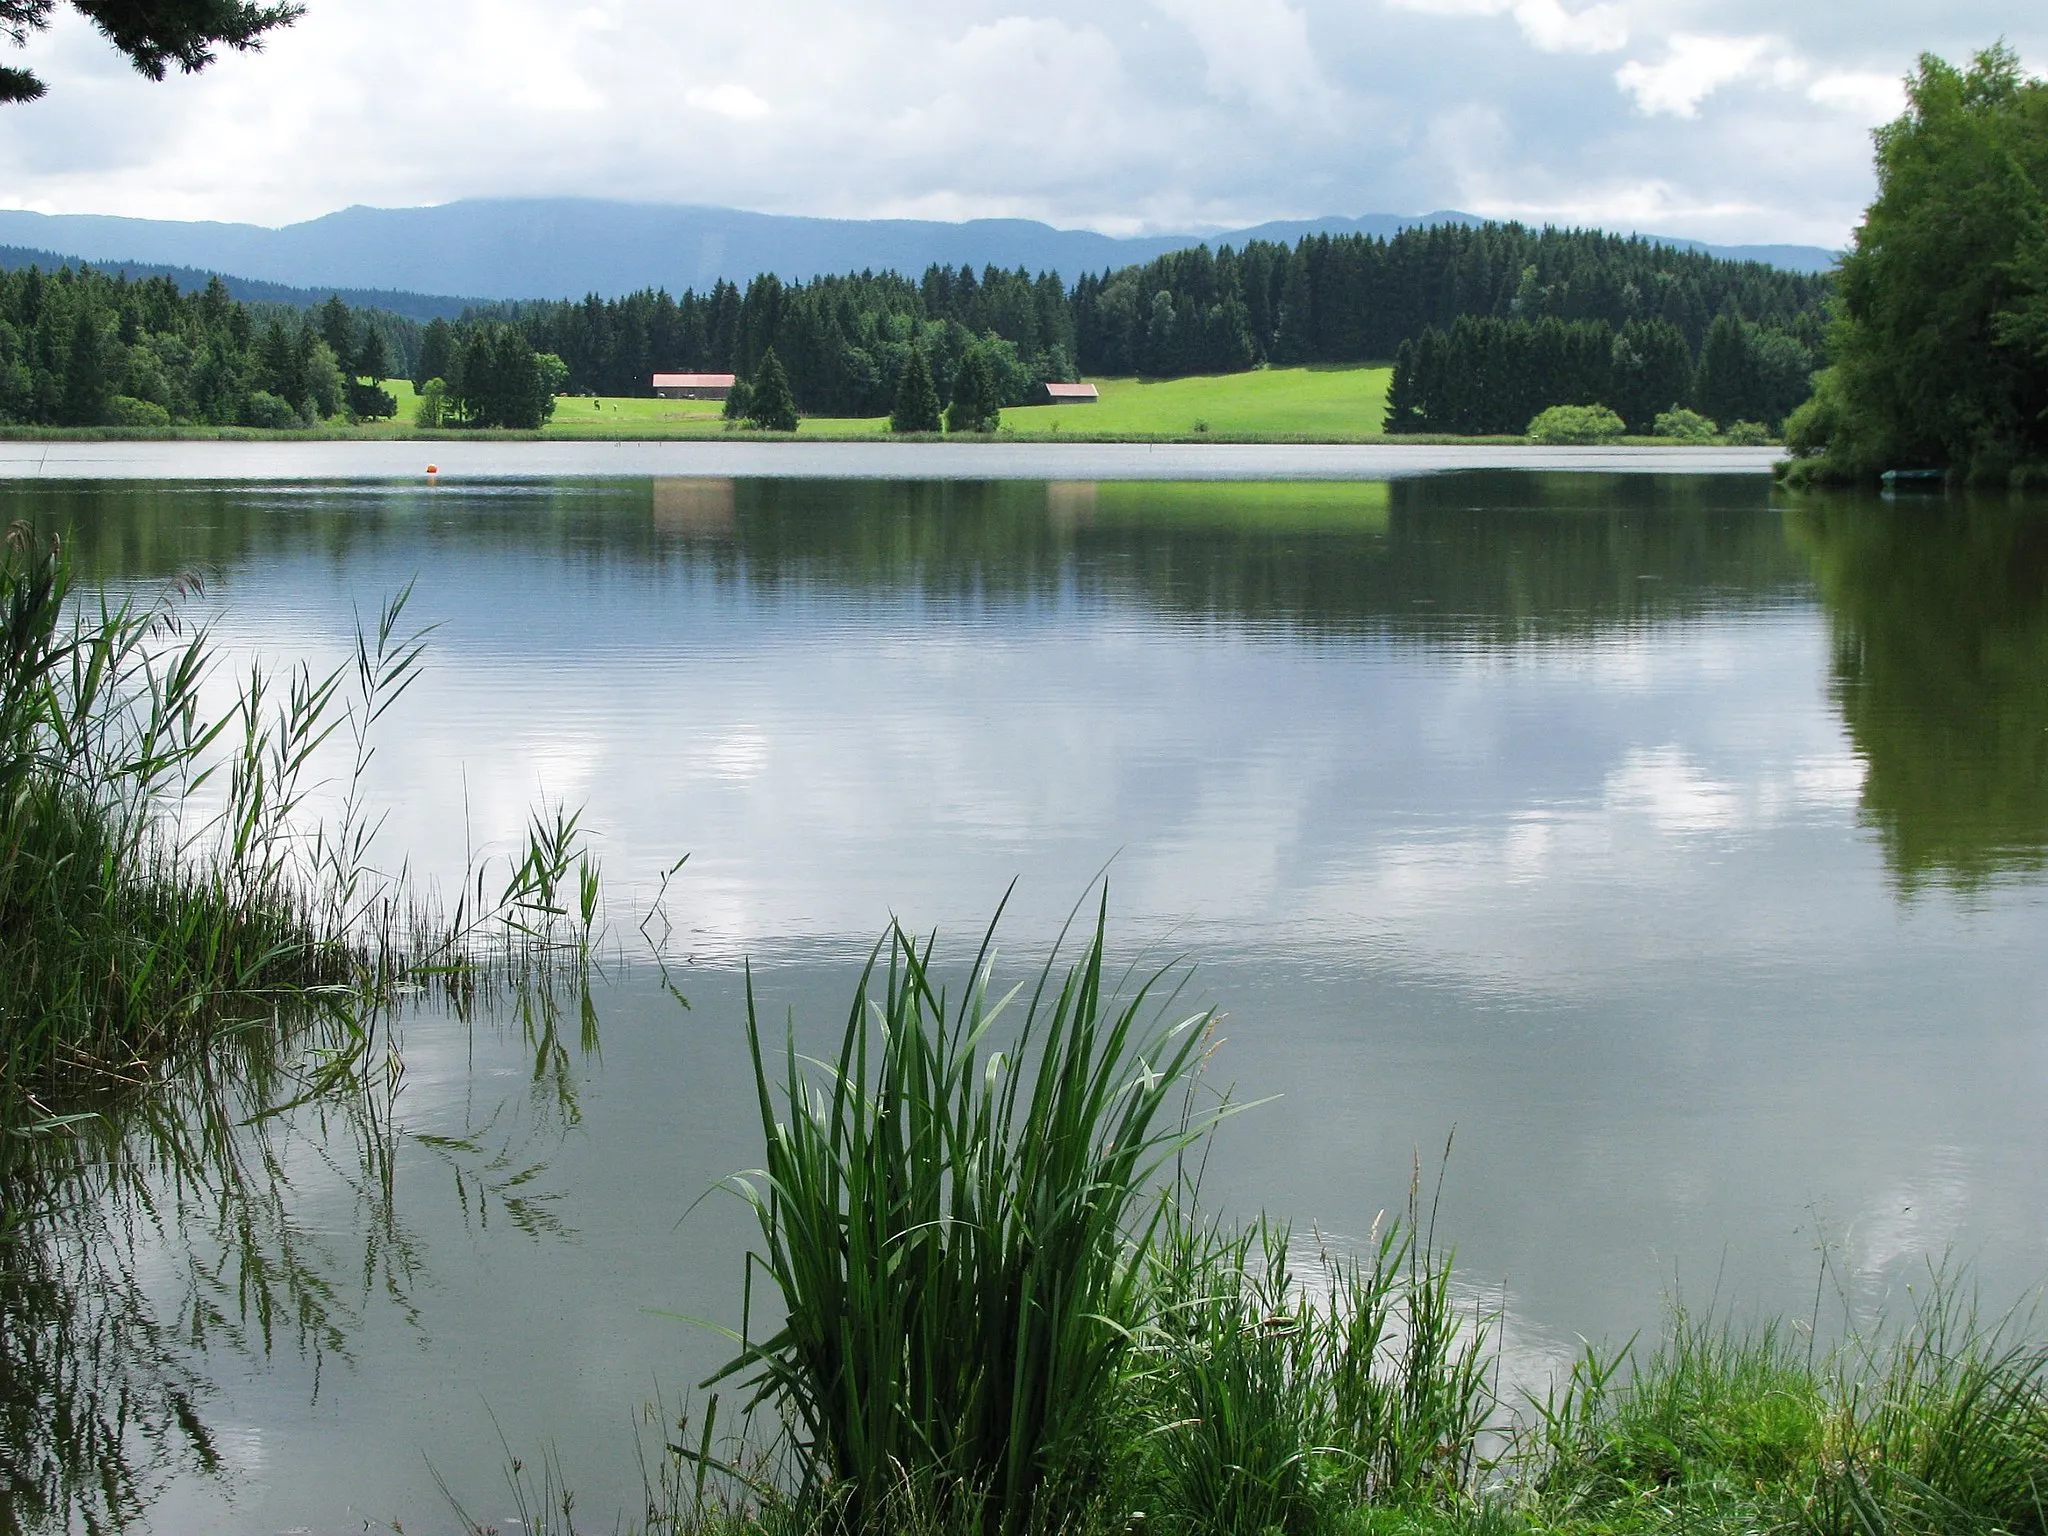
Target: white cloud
x=1545, y=24
x=1255, y=51
x=1869, y=98
x=728, y=100
x=1695, y=66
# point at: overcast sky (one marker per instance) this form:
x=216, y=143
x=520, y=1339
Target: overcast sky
x=1737, y=120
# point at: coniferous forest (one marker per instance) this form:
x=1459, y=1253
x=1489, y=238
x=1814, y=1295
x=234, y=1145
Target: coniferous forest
x=1665, y=324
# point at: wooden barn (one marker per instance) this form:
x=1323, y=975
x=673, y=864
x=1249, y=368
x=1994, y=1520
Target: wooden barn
x=1067, y=394
x=693, y=386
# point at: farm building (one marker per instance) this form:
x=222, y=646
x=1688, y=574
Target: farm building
x=1067, y=394
x=693, y=386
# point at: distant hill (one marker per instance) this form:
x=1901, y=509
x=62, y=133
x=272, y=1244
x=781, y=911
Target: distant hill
x=525, y=248
x=414, y=306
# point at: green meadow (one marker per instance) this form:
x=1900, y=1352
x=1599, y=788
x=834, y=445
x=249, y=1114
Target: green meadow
x=1320, y=404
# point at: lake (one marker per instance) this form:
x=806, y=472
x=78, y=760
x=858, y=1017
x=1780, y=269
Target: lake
x=1673, y=850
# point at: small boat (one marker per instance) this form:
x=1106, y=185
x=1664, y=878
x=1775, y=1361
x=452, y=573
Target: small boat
x=1914, y=476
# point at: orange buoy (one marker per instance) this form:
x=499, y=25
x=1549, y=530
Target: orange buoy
x=433, y=469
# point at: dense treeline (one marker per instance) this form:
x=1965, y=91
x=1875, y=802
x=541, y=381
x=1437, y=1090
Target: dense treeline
x=845, y=341
x=1940, y=344
x=1492, y=376
x=1356, y=298
x=79, y=348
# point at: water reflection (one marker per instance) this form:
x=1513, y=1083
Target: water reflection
x=1508, y=555
x=1939, y=611
x=1525, y=803
x=223, y=1214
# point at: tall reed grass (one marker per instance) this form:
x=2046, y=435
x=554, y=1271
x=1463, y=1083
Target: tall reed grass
x=186, y=953
x=1001, y=1312
x=135, y=925
x=956, y=1225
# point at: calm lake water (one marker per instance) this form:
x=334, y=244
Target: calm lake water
x=1680, y=847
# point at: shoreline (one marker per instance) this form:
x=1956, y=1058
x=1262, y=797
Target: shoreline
x=312, y=460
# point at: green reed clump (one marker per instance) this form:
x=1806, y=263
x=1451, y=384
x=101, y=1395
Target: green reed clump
x=117, y=943
x=1267, y=1400
x=159, y=885
x=957, y=1233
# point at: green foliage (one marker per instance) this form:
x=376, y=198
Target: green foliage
x=118, y=944
x=500, y=380
x=1938, y=342
x=263, y=409
x=1746, y=434
x=1684, y=426
x=1576, y=424
x=74, y=343
x=1940, y=1425
x=1487, y=376
x=1258, y=1401
x=367, y=402
x=976, y=404
x=432, y=410
x=154, y=34
x=771, y=407
x=372, y=356
x=437, y=353
x=917, y=400
x=127, y=411
x=956, y=1225
x=844, y=341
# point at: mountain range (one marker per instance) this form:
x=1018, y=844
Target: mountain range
x=527, y=248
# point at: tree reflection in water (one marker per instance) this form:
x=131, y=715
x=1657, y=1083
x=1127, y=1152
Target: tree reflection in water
x=1939, y=612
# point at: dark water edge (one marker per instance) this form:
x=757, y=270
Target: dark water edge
x=1474, y=800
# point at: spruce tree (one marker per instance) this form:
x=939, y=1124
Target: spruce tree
x=337, y=329
x=437, y=352
x=88, y=384
x=917, y=402
x=773, y=408
x=373, y=356
x=976, y=406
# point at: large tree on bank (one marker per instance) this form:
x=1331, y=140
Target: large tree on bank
x=1940, y=342
x=154, y=34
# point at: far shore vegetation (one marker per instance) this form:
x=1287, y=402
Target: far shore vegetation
x=1447, y=331
x=1925, y=352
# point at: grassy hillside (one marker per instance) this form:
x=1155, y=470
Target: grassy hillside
x=1320, y=403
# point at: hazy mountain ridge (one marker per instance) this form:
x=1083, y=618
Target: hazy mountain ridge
x=528, y=248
